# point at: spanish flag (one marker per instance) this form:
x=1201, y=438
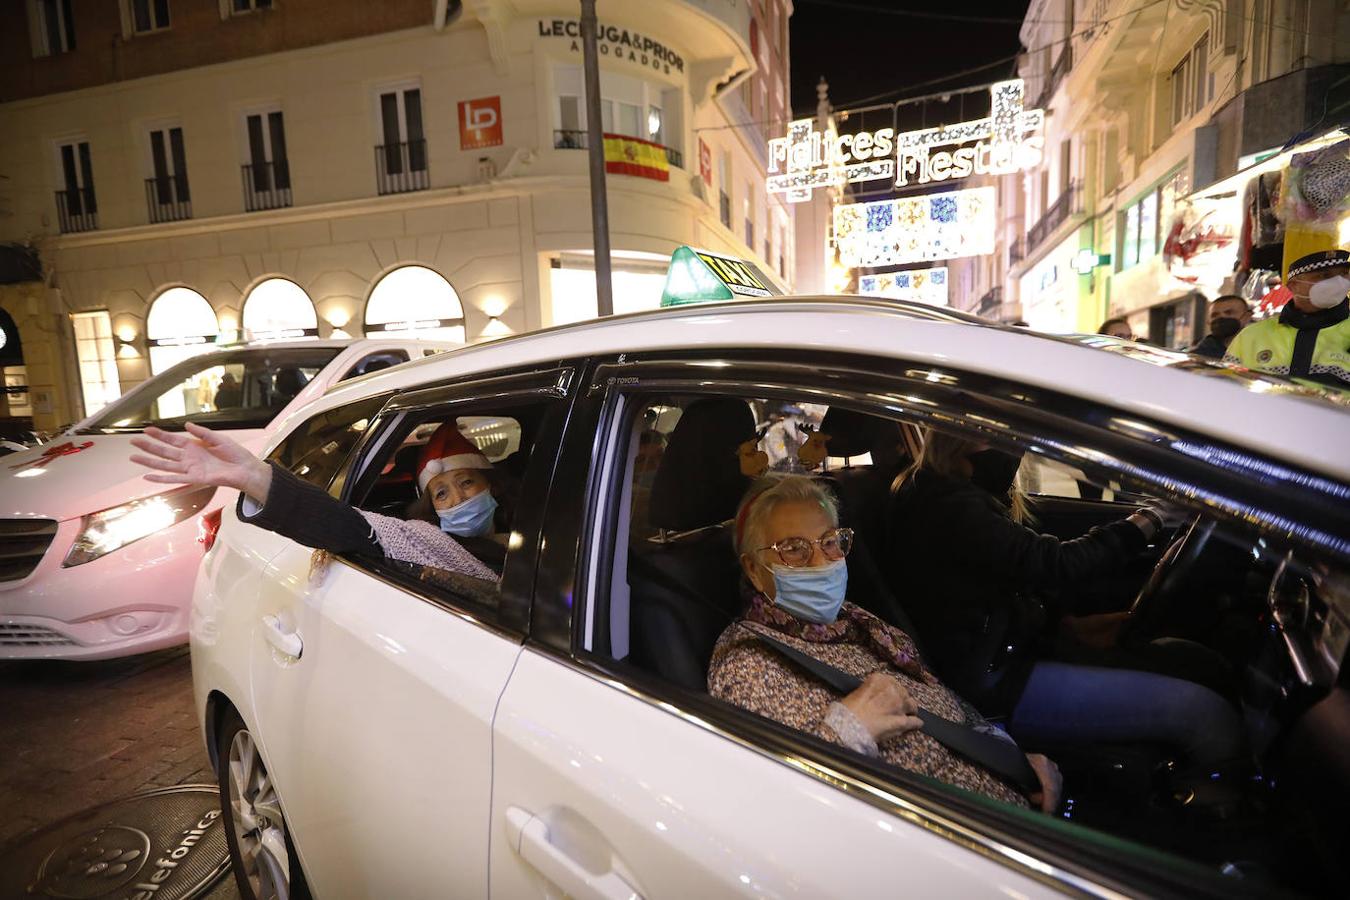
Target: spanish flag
x=626, y=155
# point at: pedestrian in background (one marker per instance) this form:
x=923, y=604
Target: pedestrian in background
x=1310, y=338
x=1117, y=327
x=1228, y=315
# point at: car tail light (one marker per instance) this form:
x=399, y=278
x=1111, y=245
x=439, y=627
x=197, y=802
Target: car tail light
x=208, y=526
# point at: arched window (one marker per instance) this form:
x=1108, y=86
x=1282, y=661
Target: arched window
x=180, y=325
x=279, y=309
x=418, y=300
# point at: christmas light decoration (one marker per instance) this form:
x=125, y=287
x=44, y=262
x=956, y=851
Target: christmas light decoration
x=924, y=228
x=916, y=285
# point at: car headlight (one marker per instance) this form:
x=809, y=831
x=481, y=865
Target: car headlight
x=103, y=532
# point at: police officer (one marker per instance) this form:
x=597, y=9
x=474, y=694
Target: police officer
x=1310, y=338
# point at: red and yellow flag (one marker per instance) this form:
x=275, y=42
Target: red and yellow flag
x=626, y=155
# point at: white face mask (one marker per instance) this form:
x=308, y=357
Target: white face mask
x=1330, y=291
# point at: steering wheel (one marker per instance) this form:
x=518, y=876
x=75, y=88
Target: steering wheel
x=1171, y=571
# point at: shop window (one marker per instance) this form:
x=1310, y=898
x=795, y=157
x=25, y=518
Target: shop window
x=16, y=390
x=637, y=281
x=179, y=326
x=418, y=301
x=52, y=26
x=279, y=309
x=94, y=351
x=1146, y=221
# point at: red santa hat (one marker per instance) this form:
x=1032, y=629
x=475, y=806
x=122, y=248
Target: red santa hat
x=447, y=451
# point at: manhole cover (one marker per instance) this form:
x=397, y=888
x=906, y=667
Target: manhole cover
x=161, y=845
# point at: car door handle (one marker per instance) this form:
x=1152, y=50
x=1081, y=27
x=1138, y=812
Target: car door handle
x=529, y=836
x=286, y=642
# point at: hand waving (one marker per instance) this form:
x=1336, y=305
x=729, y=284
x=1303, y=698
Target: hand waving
x=201, y=457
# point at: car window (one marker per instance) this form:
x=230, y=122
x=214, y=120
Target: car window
x=236, y=389
x=374, y=362
x=506, y=433
x=1267, y=620
x=319, y=446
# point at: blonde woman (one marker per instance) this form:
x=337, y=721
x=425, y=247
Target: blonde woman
x=792, y=553
x=964, y=562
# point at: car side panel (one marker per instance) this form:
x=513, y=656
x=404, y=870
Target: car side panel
x=379, y=736
x=681, y=811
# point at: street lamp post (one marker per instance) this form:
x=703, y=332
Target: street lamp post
x=595, y=142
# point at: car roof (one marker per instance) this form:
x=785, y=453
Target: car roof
x=1240, y=408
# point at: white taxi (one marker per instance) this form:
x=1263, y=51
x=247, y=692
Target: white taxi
x=95, y=562
x=383, y=729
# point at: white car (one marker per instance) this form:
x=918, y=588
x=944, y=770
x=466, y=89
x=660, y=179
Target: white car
x=96, y=562
x=388, y=730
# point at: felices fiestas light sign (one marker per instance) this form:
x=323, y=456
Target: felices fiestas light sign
x=1008, y=140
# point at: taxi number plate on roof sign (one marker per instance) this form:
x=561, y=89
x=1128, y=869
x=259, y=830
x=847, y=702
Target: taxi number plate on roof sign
x=697, y=276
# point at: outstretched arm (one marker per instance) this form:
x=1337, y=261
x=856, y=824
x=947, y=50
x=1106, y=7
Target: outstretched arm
x=202, y=456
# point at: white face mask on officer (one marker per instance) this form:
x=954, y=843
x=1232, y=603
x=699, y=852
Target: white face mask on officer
x=1329, y=291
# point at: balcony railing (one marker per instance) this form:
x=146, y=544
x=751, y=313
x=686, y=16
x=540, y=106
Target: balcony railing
x=77, y=210
x=1017, y=251
x=1069, y=202
x=567, y=139
x=991, y=301
x=267, y=186
x=1063, y=63
x=167, y=198
x=402, y=167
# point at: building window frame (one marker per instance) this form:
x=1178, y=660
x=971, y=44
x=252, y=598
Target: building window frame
x=1153, y=208
x=143, y=17
x=51, y=26
x=76, y=201
x=265, y=170
x=231, y=8
x=1189, y=82
x=168, y=194
x=402, y=165
x=653, y=105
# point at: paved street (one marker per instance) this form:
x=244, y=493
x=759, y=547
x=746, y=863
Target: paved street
x=76, y=735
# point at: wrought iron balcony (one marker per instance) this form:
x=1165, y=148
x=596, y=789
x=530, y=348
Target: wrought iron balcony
x=167, y=198
x=1017, y=251
x=402, y=167
x=569, y=139
x=1067, y=204
x=77, y=210
x=990, y=302
x=267, y=186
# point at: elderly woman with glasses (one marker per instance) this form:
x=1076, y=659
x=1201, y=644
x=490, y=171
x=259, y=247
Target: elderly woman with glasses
x=792, y=552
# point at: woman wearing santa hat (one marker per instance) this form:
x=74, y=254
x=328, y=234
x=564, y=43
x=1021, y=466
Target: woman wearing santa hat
x=455, y=510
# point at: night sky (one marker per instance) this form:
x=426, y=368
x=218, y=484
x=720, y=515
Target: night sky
x=863, y=50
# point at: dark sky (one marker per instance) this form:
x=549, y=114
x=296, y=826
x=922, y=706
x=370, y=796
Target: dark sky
x=862, y=49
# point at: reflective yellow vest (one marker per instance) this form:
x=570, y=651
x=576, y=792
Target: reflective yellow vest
x=1270, y=346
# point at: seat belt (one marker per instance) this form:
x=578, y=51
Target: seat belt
x=1001, y=757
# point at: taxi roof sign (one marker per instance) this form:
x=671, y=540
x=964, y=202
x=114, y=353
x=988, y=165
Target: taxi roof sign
x=697, y=276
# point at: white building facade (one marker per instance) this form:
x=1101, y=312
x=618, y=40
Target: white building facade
x=430, y=175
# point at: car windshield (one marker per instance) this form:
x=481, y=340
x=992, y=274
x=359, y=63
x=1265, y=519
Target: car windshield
x=235, y=389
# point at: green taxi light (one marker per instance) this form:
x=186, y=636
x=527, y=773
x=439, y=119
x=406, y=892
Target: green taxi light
x=697, y=276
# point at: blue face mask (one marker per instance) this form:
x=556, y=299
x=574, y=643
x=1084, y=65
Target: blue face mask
x=472, y=518
x=813, y=593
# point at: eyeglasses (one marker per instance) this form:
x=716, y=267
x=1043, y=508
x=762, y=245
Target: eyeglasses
x=796, y=551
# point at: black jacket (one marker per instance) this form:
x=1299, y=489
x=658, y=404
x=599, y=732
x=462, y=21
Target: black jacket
x=1211, y=347
x=966, y=572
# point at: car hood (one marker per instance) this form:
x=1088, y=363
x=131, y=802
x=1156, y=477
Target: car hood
x=79, y=474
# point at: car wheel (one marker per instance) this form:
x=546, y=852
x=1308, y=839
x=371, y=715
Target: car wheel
x=265, y=864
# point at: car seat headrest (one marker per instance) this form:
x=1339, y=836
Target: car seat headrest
x=699, y=480
x=851, y=433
